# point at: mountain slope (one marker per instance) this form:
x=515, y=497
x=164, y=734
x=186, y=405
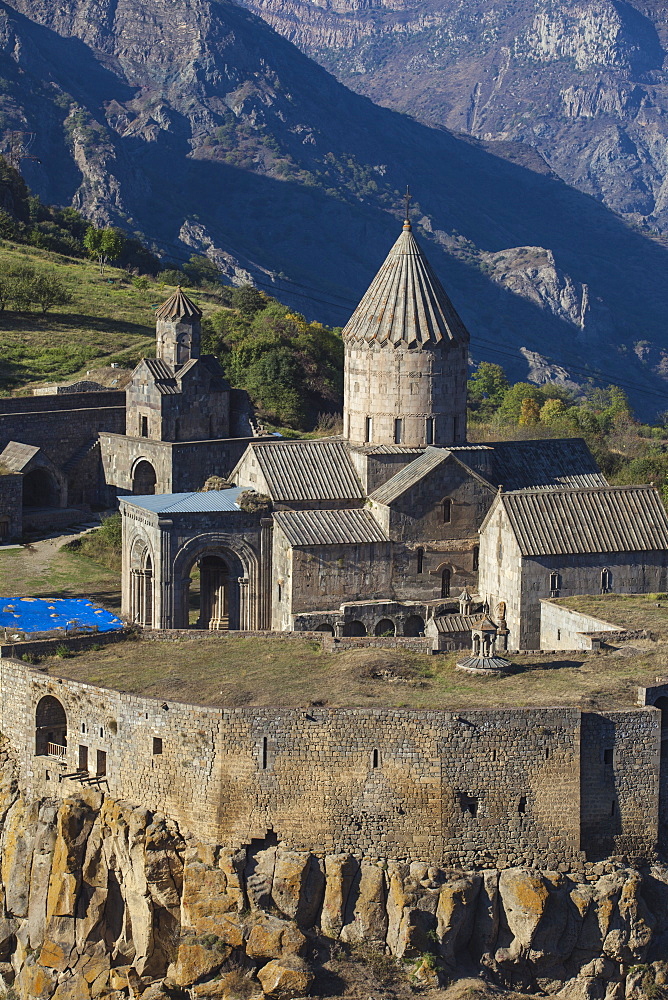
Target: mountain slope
x=582, y=81
x=197, y=125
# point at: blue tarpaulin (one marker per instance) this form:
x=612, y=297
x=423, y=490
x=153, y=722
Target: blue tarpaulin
x=37, y=614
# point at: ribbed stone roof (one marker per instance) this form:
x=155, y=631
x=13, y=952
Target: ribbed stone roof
x=406, y=303
x=178, y=306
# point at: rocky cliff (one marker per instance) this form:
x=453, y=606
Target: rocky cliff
x=103, y=899
x=583, y=82
x=196, y=125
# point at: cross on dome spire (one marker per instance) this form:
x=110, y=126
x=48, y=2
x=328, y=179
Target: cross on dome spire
x=407, y=199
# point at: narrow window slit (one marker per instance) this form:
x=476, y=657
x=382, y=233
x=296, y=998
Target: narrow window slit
x=375, y=759
x=264, y=753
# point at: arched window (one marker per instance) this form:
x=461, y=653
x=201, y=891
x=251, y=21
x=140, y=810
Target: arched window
x=398, y=430
x=606, y=581
x=430, y=430
x=476, y=558
x=420, y=560
x=445, y=583
x=50, y=728
x=447, y=510
x=555, y=583
x=368, y=429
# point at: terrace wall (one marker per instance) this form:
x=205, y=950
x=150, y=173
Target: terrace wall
x=478, y=789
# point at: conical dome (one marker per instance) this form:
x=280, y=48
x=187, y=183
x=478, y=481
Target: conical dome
x=405, y=303
x=178, y=306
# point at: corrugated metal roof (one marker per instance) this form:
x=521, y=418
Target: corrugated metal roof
x=409, y=475
x=406, y=303
x=547, y=465
x=568, y=522
x=178, y=306
x=308, y=470
x=387, y=449
x=17, y=455
x=454, y=623
x=187, y=503
x=163, y=376
x=329, y=527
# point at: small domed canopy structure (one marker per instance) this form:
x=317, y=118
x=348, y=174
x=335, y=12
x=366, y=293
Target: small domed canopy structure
x=406, y=355
x=483, y=659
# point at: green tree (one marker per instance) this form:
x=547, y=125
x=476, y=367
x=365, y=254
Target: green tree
x=104, y=245
x=49, y=291
x=200, y=269
x=488, y=382
x=511, y=407
x=552, y=411
x=248, y=300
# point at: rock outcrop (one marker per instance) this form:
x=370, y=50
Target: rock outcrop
x=102, y=899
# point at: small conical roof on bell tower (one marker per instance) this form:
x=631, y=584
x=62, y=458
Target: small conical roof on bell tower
x=178, y=306
x=405, y=303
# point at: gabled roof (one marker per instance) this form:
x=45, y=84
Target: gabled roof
x=547, y=465
x=17, y=455
x=191, y=503
x=329, y=527
x=570, y=522
x=211, y=365
x=162, y=375
x=406, y=303
x=178, y=306
x=417, y=470
x=307, y=470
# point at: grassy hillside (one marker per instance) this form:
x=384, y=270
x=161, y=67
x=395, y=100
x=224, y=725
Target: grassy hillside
x=109, y=319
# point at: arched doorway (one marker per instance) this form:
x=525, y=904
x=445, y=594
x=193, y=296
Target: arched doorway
x=50, y=728
x=325, y=628
x=355, y=628
x=40, y=489
x=143, y=479
x=212, y=594
x=141, y=585
x=385, y=627
x=414, y=625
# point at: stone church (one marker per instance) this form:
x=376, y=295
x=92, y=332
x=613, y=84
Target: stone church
x=376, y=532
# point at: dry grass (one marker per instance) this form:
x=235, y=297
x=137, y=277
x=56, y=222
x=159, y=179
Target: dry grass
x=629, y=611
x=234, y=670
x=38, y=571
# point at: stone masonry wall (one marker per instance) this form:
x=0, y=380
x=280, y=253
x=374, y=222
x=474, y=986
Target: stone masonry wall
x=11, y=510
x=477, y=789
x=563, y=628
x=620, y=772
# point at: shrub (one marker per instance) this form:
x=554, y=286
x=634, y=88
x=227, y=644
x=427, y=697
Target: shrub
x=63, y=652
x=252, y=502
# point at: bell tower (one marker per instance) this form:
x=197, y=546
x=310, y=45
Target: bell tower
x=406, y=357
x=177, y=330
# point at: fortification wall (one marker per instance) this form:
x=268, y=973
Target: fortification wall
x=478, y=789
x=71, y=401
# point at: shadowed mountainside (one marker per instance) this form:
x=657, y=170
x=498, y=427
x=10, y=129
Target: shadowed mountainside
x=199, y=127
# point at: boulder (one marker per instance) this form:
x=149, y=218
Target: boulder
x=365, y=910
x=524, y=895
x=340, y=873
x=198, y=957
x=286, y=978
x=271, y=937
x=455, y=916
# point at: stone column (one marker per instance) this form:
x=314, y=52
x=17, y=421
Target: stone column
x=245, y=623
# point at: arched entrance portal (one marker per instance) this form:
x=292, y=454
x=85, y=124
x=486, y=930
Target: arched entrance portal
x=384, y=627
x=143, y=479
x=141, y=585
x=50, y=728
x=40, y=489
x=212, y=594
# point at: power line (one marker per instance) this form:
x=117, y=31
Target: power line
x=597, y=375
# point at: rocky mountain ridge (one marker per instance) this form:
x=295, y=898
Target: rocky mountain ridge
x=195, y=125
x=582, y=82
x=104, y=899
